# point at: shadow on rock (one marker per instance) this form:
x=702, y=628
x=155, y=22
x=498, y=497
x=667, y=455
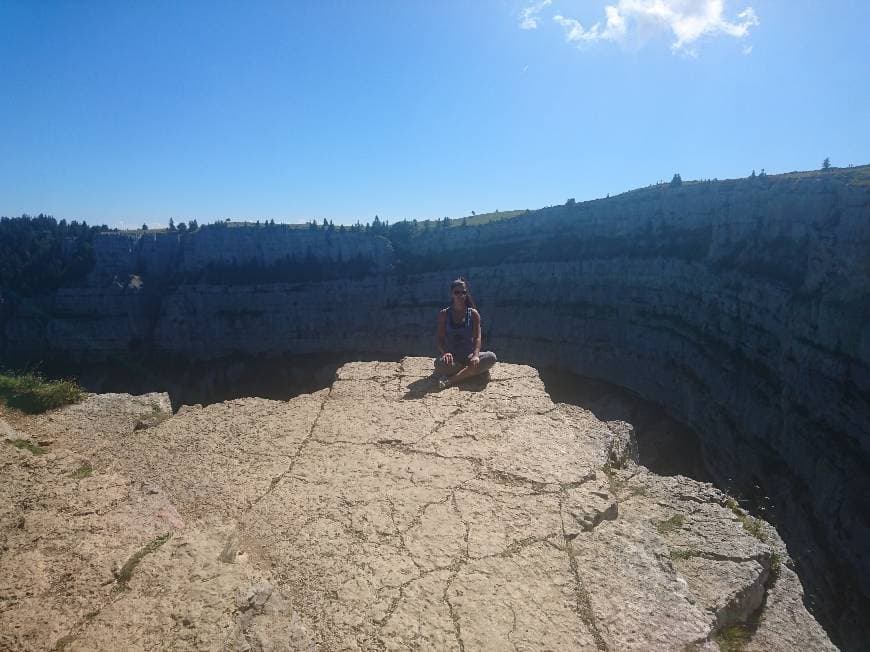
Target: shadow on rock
x=429, y=385
x=419, y=388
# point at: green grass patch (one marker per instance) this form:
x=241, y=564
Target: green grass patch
x=733, y=639
x=123, y=576
x=775, y=564
x=753, y=525
x=84, y=471
x=24, y=444
x=31, y=393
x=672, y=524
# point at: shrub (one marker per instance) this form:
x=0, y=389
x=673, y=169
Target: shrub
x=33, y=394
x=23, y=444
x=775, y=564
x=752, y=525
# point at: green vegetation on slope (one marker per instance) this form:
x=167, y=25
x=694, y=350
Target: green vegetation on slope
x=31, y=393
x=26, y=445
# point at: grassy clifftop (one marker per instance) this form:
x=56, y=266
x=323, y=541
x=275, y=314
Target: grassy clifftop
x=31, y=393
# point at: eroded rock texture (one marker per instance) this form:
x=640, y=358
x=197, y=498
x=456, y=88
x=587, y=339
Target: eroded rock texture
x=374, y=514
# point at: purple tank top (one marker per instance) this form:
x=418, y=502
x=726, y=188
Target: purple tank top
x=459, y=337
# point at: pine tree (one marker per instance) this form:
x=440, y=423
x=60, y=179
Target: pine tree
x=826, y=164
x=171, y=224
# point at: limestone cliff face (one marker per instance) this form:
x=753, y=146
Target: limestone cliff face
x=167, y=255
x=374, y=514
x=742, y=306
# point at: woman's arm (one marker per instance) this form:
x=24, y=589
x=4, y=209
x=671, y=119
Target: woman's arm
x=441, y=335
x=475, y=337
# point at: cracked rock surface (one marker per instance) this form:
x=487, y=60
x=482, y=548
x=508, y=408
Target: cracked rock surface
x=375, y=514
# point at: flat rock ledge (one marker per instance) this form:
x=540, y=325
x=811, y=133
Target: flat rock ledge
x=376, y=514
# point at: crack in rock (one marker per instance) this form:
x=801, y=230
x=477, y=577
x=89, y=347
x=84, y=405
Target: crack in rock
x=457, y=626
x=583, y=605
x=295, y=457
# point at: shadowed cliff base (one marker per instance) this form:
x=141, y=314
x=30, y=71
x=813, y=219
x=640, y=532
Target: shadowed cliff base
x=669, y=447
x=664, y=445
x=190, y=382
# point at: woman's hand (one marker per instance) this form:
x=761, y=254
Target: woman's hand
x=473, y=360
x=447, y=358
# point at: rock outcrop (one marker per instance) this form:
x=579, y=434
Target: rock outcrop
x=741, y=306
x=374, y=514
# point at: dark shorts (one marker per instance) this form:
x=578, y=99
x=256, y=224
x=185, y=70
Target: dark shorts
x=487, y=360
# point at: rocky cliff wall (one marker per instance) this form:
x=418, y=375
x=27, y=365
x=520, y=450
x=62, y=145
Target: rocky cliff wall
x=161, y=257
x=741, y=306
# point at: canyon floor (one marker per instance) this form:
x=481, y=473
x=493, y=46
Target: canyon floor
x=374, y=514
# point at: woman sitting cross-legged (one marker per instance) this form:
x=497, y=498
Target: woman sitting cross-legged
x=459, y=339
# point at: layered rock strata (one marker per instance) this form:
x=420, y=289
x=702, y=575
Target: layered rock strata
x=171, y=255
x=741, y=306
x=374, y=515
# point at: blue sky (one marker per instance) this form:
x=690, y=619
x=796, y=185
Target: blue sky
x=123, y=112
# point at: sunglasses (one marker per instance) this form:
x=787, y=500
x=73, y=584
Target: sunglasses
x=458, y=292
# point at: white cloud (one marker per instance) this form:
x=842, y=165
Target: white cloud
x=686, y=20
x=614, y=28
x=529, y=15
